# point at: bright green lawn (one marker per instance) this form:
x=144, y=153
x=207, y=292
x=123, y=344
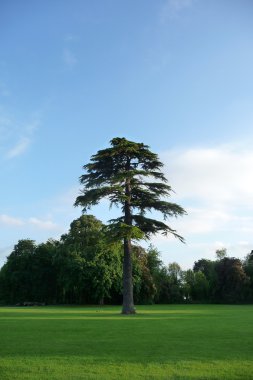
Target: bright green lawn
x=160, y=342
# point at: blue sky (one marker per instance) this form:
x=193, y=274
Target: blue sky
x=174, y=74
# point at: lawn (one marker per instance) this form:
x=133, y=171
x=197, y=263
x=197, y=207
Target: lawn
x=160, y=342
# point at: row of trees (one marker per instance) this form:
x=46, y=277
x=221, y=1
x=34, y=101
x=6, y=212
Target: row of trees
x=83, y=267
x=129, y=176
x=96, y=263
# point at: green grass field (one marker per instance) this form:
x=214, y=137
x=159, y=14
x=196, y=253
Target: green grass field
x=160, y=342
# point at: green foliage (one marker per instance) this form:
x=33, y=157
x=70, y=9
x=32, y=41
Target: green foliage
x=232, y=280
x=88, y=265
x=248, y=268
x=221, y=253
x=16, y=272
x=80, y=268
x=85, y=267
x=129, y=175
x=144, y=283
x=122, y=174
x=200, y=287
x=117, y=231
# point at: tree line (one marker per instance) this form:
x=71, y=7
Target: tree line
x=84, y=267
x=96, y=263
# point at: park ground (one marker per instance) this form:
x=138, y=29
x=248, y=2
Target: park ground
x=159, y=342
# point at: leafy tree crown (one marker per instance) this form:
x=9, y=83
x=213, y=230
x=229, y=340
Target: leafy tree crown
x=130, y=176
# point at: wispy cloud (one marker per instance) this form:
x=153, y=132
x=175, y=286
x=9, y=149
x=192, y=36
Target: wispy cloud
x=178, y=5
x=15, y=137
x=43, y=224
x=70, y=38
x=172, y=8
x=20, y=228
x=10, y=221
x=20, y=147
x=32, y=126
x=69, y=58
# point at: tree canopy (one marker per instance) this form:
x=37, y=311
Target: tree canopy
x=81, y=268
x=129, y=175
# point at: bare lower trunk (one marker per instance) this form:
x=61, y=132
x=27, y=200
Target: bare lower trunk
x=128, y=299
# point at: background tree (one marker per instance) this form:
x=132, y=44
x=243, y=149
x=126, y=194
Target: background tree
x=43, y=272
x=82, y=268
x=88, y=266
x=175, y=275
x=143, y=281
x=188, y=284
x=232, y=281
x=248, y=268
x=29, y=273
x=130, y=176
x=221, y=253
x=18, y=274
x=208, y=268
x=200, y=287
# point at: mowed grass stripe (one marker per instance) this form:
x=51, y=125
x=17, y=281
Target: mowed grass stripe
x=74, y=368
x=170, y=342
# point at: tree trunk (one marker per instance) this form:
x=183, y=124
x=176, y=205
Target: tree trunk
x=128, y=299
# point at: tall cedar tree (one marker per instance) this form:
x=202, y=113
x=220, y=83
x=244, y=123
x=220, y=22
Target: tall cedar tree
x=129, y=175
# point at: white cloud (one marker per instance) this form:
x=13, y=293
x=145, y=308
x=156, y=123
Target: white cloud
x=43, y=224
x=7, y=220
x=218, y=176
x=20, y=148
x=10, y=221
x=198, y=223
x=202, y=221
x=238, y=249
x=15, y=136
x=215, y=186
